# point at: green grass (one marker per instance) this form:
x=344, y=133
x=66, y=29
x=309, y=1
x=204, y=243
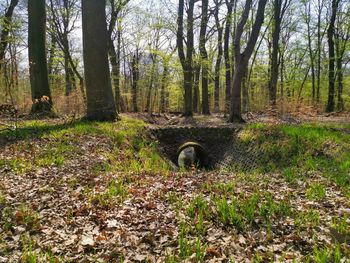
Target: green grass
x=294, y=150
x=117, y=191
x=316, y=191
x=125, y=146
x=325, y=255
x=341, y=225
x=31, y=256
x=188, y=246
x=306, y=219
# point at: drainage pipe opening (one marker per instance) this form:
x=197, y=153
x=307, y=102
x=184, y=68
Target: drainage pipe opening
x=192, y=154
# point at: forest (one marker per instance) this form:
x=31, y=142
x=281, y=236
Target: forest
x=229, y=57
x=175, y=131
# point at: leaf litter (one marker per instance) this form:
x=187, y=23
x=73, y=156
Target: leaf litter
x=64, y=210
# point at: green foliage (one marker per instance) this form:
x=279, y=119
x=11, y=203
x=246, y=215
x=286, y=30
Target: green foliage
x=341, y=224
x=7, y=214
x=228, y=212
x=269, y=208
x=316, y=191
x=2, y=199
x=187, y=247
x=115, y=189
x=31, y=256
x=325, y=255
x=290, y=176
x=197, y=206
x=309, y=218
x=17, y=165
x=132, y=151
x=295, y=150
x=248, y=207
x=243, y=211
x=28, y=217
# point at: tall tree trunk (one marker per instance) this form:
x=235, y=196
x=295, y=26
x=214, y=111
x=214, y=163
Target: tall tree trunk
x=39, y=81
x=228, y=72
x=135, y=80
x=319, y=43
x=116, y=8
x=204, y=58
x=277, y=7
x=100, y=100
x=331, y=72
x=6, y=27
x=340, y=103
x=218, y=58
x=196, y=93
x=69, y=74
x=114, y=57
x=150, y=84
x=311, y=52
x=242, y=59
x=165, y=77
x=245, y=93
x=52, y=54
x=186, y=60
x=341, y=42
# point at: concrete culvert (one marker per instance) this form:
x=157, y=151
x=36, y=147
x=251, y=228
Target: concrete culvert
x=192, y=154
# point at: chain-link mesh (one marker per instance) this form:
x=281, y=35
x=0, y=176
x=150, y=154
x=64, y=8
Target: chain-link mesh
x=240, y=157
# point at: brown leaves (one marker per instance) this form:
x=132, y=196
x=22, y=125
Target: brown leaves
x=146, y=224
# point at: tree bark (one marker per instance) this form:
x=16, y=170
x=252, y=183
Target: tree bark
x=165, y=77
x=277, y=7
x=218, y=58
x=186, y=60
x=204, y=58
x=228, y=73
x=114, y=57
x=319, y=43
x=100, y=100
x=331, y=71
x=242, y=59
x=135, y=80
x=114, y=53
x=39, y=81
x=150, y=84
x=196, y=93
x=311, y=51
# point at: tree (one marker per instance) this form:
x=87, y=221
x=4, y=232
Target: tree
x=100, y=100
x=220, y=30
x=279, y=7
x=165, y=79
x=114, y=51
x=331, y=66
x=312, y=56
x=6, y=26
x=320, y=4
x=242, y=58
x=63, y=17
x=39, y=81
x=186, y=60
x=228, y=73
x=135, y=78
x=342, y=38
x=204, y=57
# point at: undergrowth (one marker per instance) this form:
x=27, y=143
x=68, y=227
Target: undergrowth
x=296, y=151
x=124, y=146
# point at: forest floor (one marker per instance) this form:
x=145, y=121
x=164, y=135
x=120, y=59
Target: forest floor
x=101, y=192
